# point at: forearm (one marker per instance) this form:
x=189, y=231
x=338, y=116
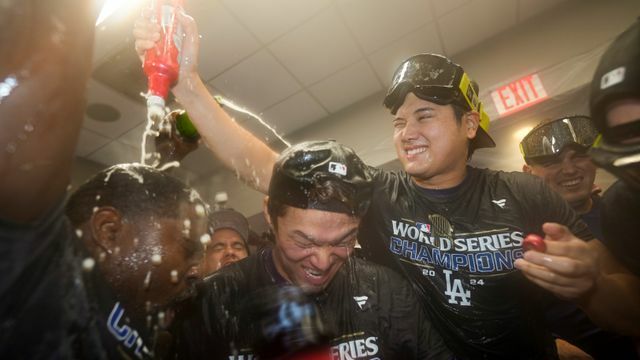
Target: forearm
x=41, y=116
x=614, y=304
x=237, y=148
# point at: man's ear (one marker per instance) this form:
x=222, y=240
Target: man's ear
x=106, y=226
x=471, y=120
x=526, y=168
x=265, y=211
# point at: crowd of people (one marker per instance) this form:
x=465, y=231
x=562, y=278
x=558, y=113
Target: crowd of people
x=133, y=264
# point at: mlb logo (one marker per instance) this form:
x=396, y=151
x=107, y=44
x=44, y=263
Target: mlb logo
x=337, y=168
x=425, y=228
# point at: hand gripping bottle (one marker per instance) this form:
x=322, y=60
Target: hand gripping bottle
x=161, y=62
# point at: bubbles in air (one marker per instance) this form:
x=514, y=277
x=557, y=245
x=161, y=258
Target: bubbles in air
x=156, y=259
x=200, y=210
x=95, y=209
x=78, y=233
x=88, y=264
x=174, y=276
x=147, y=281
x=11, y=148
x=205, y=239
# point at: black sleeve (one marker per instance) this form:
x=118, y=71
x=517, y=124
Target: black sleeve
x=542, y=205
x=35, y=263
x=620, y=209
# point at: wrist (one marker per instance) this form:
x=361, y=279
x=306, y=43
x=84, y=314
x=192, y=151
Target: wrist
x=187, y=84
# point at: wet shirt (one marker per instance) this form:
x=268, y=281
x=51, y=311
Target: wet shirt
x=620, y=209
x=458, y=247
x=371, y=311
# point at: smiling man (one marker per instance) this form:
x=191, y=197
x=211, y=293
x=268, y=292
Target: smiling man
x=229, y=241
x=317, y=196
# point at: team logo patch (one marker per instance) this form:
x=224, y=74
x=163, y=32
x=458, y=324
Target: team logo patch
x=425, y=228
x=337, y=168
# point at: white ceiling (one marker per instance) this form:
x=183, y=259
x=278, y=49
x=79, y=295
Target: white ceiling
x=296, y=62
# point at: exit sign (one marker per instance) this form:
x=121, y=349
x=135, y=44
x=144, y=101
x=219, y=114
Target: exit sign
x=518, y=94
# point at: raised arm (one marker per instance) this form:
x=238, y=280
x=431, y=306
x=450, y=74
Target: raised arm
x=237, y=148
x=45, y=63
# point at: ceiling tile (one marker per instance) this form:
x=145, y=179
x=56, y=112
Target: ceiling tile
x=346, y=86
x=133, y=137
x=257, y=82
x=116, y=153
x=131, y=113
x=288, y=116
x=318, y=48
x=529, y=8
x=442, y=7
x=270, y=19
x=475, y=22
x=364, y=19
x=223, y=40
x=89, y=142
x=386, y=60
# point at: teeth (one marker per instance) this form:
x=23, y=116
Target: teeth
x=416, y=151
x=570, y=182
x=313, y=273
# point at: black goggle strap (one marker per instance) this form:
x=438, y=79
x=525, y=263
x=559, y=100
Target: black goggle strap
x=623, y=132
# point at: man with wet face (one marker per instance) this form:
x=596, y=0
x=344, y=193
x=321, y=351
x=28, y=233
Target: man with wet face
x=317, y=196
x=455, y=231
x=556, y=151
x=140, y=234
x=228, y=242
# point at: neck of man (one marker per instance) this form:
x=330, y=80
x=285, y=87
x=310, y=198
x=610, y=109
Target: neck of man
x=582, y=206
x=443, y=180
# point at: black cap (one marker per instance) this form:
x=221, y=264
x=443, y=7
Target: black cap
x=302, y=169
x=231, y=219
x=617, y=75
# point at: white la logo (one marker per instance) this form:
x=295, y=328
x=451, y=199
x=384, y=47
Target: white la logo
x=456, y=290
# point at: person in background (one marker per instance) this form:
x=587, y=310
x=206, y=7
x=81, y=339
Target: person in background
x=318, y=194
x=556, y=151
x=229, y=242
x=615, y=110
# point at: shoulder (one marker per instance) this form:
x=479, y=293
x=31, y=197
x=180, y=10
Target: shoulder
x=380, y=276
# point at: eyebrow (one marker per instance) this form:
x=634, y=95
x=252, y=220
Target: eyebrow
x=338, y=241
x=417, y=111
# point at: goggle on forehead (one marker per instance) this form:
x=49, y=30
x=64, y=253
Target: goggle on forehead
x=550, y=139
x=434, y=78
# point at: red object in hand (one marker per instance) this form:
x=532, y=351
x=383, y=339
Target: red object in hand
x=534, y=242
x=161, y=63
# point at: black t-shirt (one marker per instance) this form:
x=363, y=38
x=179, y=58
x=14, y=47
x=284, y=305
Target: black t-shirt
x=37, y=275
x=620, y=209
x=481, y=304
x=372, y=312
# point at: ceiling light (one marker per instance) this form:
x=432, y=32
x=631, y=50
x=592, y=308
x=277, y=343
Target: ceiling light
x=111, y=6
x=522, y=132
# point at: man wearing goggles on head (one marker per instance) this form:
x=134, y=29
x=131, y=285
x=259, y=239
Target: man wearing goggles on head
x=454, y=231
x=615, y=109
x=556, y=151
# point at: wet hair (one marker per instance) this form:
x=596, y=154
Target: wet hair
x=327, y=191
x=134, y=190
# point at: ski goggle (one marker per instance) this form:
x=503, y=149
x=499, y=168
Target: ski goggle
x=550, y=139
x=622, y=161
x=432, y=77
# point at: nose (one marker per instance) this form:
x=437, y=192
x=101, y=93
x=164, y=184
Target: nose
x=229, y=252
x=568, y=165
x=410, y=130
x=322, y=259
